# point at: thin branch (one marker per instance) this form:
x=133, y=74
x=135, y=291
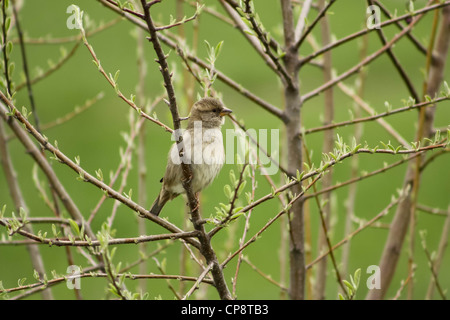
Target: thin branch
x=377, y=116
x=364, y=105
x=25, y=66
x=245, y=31
x=179, y=23
x=320, y=15
x=55, y=281
x=366, y=61
x=221, y=76
x=406, y=79
x=271, y=221
x=383, y=213
x=328, y=144
x=69, y=116
x=199, y=280
x=432, y=211
x=113, y=84
x=95, y=243
x=47, y=40
x=437, y=261
x=329, y=164
x=265, y=276
x=4, y=49
x=262, y=36
x=367, y=30
x=302, y=18
x=51, y=70
x=413, y=39
x=432, y=267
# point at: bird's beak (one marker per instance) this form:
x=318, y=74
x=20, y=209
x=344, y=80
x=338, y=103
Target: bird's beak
x=225, y=111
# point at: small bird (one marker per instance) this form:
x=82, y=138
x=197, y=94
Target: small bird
x=203, y=144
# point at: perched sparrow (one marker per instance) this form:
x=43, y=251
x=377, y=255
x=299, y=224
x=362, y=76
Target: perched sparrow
x=203, y=150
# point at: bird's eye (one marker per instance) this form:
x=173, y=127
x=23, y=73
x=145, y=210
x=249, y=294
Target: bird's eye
x=215, y=110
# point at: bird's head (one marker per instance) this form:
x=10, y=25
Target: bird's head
x=209, y=111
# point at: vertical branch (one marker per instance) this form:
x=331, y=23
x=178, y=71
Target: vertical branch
x=416, y=175
x=19, y=203
x=350, y=202
x=293, y=104
x=328, y=144
x=402, y=217
x=141, y=159
x=205, y=245
x=440, y=254
x=435, y=72
x=5, y=160
x=5, y=48
x=25, y=66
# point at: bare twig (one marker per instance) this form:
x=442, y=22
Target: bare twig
x=384, y=212
x=320, y=15
x=437, y=261
x=197, y=283
x=432, y=267
x=378, y=116
x=25, y=66
x=52, y=69
x=367, y=30
x=366, y=61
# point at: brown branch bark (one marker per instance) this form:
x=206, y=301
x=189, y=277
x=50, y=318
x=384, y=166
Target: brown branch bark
x=293, y=104
x=399, y=226
x=328, y=144
x=19, y=202
x=205, y=245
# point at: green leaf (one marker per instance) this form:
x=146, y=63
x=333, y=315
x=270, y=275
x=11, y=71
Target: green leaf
x=12, y=66
x=36, y=275
x=99, y=174
x=7, y=23
x=20, y=282
x=116, y=75
x=349, y=286
x=23, y=215
x=357, y=278
x=74, y=226
x=218, y=49
x=2, y=212
x=446, y=89
x=227, y=191
x=233, y=177
x=411, y=6
x=9, y=47
x=55, y=233
x=241, y=188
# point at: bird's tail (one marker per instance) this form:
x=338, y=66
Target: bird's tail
x=159, y=203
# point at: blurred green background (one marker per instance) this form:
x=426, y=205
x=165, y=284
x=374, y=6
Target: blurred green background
x=95, y=136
